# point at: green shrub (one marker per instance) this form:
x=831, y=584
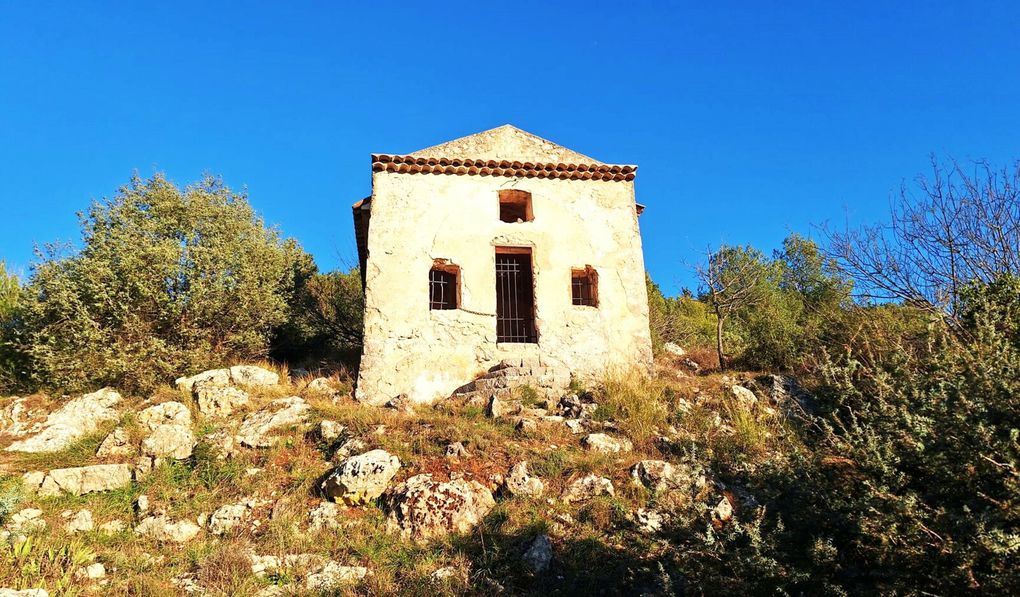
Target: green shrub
x=167, y=282
x=12, y=363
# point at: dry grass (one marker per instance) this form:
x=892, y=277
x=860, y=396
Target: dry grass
x=703, y=413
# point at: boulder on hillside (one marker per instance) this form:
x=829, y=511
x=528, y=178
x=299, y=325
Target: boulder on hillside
x=361, y=479
x=586, y=488
x=170, y=434
x=4, y=592
x=218, y=401
x=242, y=375
x=78, y=480
x=161, y=528
x=658, y=475
x=520, y=483
x=227, y=517
x=323, y=386
x=539, y=554
x=255, y=430
x=422, y=508
x=252, y=376
x=80, y=522
x=76, y=419
x=333, y=575
x=743, y=394
x=166, y=413
x=600, y=442
x=116, y=444
x=18, y=418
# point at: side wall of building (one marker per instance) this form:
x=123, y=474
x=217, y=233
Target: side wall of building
x=419, y=218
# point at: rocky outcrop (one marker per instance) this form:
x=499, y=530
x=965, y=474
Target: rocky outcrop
x=743, y=394
x=255, y=430
x=600, y=442
x=18, y=419
x=26, y=522
x=242, y=375
x=170, y=434
x=162, y=528
x=361, y=479
x=539, y=554
x=422, y=508
x=80, y=522
x=74, y=420
x=226, y=518
x=24, y=592
x=115, y=445
x=520, y=483
x=79, y=480
x=333, y=576
x=513, y=375
x=324, y=516
x=586, y=488
x=661, y=476
x=218, y=401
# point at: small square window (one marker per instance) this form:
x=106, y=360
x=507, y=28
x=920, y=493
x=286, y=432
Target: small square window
x=584, y=287
x=515, y=206
x=444, y=286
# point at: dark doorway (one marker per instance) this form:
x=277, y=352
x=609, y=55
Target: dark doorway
x=515, y=296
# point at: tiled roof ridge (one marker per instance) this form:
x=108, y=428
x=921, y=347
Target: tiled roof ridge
x=410, y=164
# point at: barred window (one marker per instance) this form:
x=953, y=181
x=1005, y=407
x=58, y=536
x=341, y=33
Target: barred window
x=584, y=287
x=444, y=286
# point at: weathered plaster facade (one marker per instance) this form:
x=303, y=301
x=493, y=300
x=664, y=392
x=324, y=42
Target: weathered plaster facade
x=414, y=219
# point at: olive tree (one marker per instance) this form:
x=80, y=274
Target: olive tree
x=167, y=281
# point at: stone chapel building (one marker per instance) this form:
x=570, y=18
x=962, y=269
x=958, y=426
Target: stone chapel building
x=499, y=246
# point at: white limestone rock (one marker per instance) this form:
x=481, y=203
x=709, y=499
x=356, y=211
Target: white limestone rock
x=539, y=554
x=324, y=516
x=218, y=401
x=161, y=528
x=422, y=508
x=169, y=441
x=226, y=518
x=116, y=444
x=166, y=413
x=76, y=419
x=243, y=375
x=600, y=442
x=361, y=479
x=586, y=488
x=331, y=430
x=333, y=576
x=519, y=483
x=79, y=480
x=80, y=522
x=743, y=394
x=26, y=521
x=282, y=412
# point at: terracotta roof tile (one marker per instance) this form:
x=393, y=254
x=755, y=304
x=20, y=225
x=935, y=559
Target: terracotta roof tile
x=409, y=164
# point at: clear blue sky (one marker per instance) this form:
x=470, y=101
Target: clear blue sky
x=747, y=122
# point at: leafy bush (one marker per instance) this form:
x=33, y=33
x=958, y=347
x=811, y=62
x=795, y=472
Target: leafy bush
x=11, y=361
x=167, y=282
x=326, y=322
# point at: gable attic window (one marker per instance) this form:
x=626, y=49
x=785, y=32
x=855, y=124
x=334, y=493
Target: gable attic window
x=584, y=287
x=515, y=206
x=444, y=285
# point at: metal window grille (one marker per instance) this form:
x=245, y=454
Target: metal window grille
x=442, y=289
x=515, y=299
x=582, y=288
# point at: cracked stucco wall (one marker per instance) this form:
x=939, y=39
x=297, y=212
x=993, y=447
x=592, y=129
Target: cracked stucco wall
x=417, y=218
